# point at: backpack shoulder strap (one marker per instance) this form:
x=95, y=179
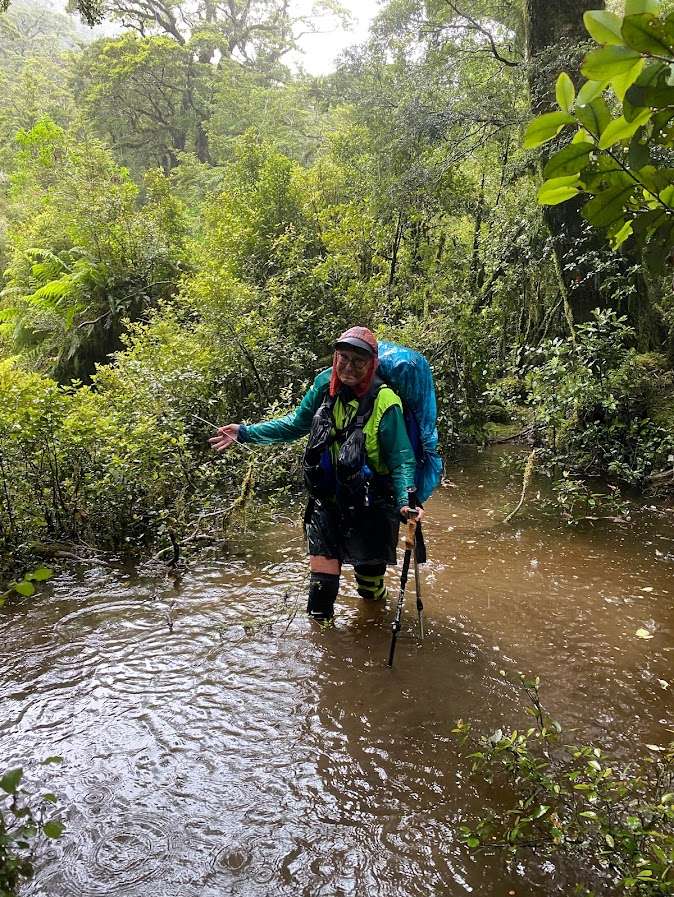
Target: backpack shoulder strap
x=366, y=405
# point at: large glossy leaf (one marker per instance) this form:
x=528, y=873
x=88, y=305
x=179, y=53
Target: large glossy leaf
x=565, y=92
x=607, y=207
x=544, y=128
x=647, y=34
x=594, y=117
x=557, y=190
x=621, y=131
x=603, y=26
x=571, y=160
x=607, y=62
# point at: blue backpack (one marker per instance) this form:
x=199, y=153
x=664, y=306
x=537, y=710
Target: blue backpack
x=409, y=375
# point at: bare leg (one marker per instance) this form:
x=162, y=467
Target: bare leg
x=323, y=587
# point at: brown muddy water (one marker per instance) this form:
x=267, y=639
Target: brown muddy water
x=208, y=755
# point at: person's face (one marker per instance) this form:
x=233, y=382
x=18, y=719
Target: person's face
x=351, y=366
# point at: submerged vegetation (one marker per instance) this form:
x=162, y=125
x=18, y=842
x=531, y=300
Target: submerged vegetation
x=614, y=820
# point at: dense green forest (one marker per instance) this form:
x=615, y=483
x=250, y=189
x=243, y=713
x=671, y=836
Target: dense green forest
x=186, y=221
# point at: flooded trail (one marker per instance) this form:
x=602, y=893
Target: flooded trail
x=215, y=744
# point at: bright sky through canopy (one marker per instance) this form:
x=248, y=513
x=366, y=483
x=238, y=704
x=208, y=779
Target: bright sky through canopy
x=321, y=50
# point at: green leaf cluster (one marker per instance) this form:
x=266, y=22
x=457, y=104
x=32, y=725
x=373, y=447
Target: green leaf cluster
x=26, y=822
x=622, y=165
x=614, y=821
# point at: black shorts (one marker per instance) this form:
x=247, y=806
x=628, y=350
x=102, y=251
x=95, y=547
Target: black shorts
x=368, y=537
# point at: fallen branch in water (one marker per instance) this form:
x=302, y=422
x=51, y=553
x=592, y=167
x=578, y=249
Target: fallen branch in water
x=662, y=478
x=524, y=435
x=64, y=551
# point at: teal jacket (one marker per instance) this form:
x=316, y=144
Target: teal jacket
x=396, y=450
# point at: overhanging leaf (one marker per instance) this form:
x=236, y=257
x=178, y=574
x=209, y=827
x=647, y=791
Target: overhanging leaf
x=637, y=7
x=646, y=34
x=649, y=222
x=607, y=62
x=544, y=128
x=594, y=117
x=621, y=235
x=651, y=95
x=590, y=90
x=656, y=179
x=557, y=190
x=565, y=92
x=572, y=159
x=603, y=26
x=607, y=174
x=620, y=130
x=607, y=207
x=667, y=196
x=639, y=154
x=621, y=83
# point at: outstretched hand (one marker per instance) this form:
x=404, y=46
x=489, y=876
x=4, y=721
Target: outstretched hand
x=225, y=438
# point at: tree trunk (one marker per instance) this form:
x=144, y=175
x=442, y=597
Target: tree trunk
x=476, y=273
x=553, y=32
x=397, y=240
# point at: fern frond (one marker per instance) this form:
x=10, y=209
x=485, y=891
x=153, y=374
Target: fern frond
x=53, y=293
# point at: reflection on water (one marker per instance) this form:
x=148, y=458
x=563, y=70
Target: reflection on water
x=292, y=761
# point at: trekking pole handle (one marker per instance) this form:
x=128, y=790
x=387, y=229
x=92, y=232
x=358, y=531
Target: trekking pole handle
x=411, y=518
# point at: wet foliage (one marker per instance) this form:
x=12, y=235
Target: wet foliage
x=27, y=821
x=614, y=820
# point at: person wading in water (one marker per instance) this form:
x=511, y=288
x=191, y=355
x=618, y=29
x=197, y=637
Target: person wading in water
x=358, y=467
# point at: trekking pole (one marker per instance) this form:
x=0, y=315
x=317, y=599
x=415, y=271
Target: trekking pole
x=417, y=586
x=409, y=548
